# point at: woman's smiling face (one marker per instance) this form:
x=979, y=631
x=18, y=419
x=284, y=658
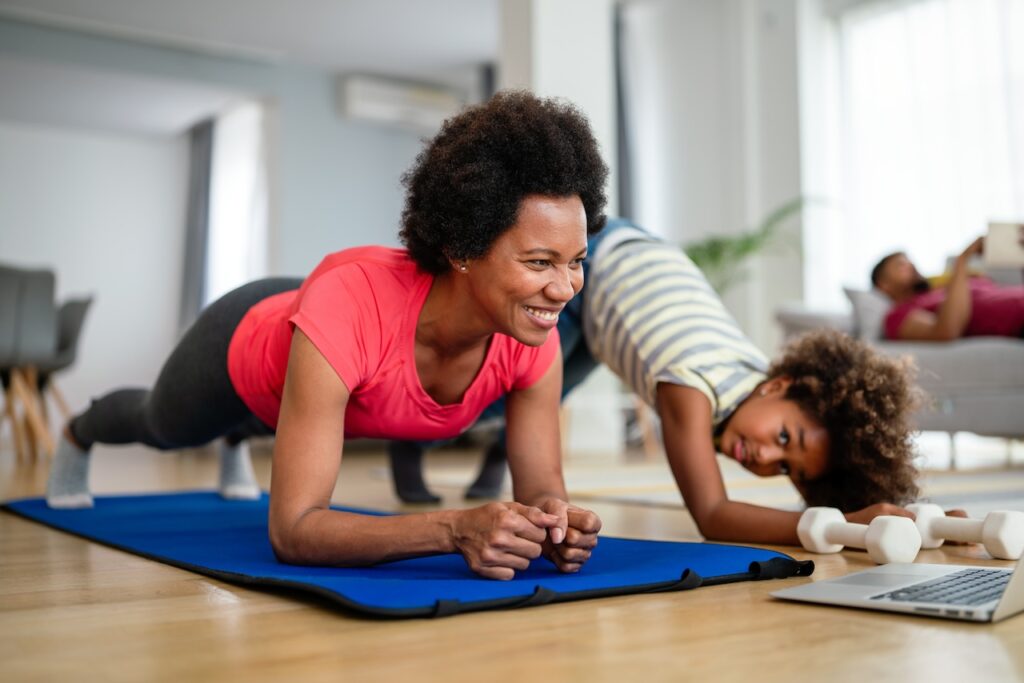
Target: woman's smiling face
x=533, y=269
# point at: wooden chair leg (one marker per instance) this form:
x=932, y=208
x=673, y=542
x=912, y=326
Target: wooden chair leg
x=58, y=398
x=6, y=414
x=31, y=445
x=30, y=400
x=32, y=377
x=17, y=429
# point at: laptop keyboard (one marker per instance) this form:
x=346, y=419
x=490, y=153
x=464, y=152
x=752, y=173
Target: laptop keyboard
x=965, y=587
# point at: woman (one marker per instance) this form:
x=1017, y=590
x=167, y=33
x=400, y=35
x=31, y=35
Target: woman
x=829, y=412
x=409, y=344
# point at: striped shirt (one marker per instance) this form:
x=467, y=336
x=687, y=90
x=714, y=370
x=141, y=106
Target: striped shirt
x=651, y=316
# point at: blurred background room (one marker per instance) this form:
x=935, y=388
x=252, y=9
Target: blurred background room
x=154, y=155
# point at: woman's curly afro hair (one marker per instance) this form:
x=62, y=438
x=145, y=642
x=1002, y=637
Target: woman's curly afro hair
x=466, y=186
x=864, y=401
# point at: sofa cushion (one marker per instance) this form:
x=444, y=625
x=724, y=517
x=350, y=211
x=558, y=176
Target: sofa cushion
x=974, y=364
x=869, y=309
x=796, y=319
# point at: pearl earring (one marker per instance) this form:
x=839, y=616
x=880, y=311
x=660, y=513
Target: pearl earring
x=462, y=267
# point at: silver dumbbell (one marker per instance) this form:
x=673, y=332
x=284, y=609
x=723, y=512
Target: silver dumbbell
x=887, y=538
x=1001, y=532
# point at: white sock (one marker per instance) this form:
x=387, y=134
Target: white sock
x=68, y=485
x=237, y=479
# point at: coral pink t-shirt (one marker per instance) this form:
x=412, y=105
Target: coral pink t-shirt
x=996, y=310
x=360, y=308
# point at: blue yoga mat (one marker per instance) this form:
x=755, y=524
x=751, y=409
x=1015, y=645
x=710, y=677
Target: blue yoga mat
x=201, y=532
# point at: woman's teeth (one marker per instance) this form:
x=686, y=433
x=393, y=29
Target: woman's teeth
x=543, y=315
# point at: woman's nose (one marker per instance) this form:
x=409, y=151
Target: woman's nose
x=562, y=286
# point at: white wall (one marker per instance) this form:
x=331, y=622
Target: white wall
x=713, y=93
x=335, y=183
x=541, y=50
x=681, y=77
x=106, y=213
x=107, y=210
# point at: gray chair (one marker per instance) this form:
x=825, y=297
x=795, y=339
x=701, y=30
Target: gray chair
x=70, y=320
x=37, y=318
x=10, y=294
x=31, y=321
x=10, y=290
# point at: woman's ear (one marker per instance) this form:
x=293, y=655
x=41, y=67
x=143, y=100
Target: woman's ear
x=459, y=265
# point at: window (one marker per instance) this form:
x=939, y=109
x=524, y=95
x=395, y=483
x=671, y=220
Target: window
x=237, y=241
x=927, y=102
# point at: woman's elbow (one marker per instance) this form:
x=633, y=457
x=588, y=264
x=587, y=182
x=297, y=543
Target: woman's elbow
x=287, y=544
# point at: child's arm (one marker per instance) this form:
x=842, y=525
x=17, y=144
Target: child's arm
x=686, y=427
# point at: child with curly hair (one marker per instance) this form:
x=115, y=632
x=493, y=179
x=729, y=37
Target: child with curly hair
x=830, y=413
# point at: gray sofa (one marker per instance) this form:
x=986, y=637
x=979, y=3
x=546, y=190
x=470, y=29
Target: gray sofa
x=975, y=384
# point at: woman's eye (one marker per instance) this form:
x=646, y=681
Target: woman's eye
x=539, y=262
x=578, y=261
x=784, y=437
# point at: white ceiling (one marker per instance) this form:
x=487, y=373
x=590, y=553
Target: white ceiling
x=408, y=38
x=390, y=36
x=60, y=95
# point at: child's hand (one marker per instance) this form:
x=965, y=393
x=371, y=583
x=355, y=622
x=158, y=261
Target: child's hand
x=870, y=512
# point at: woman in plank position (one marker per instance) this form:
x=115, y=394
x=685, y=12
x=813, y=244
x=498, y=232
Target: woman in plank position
x=399, y=343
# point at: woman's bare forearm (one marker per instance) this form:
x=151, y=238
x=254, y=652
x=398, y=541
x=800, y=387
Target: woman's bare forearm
x=550, y=486
x=533, y=440
x=329, y=537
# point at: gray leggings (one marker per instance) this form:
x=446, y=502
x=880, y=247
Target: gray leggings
x=193, y=401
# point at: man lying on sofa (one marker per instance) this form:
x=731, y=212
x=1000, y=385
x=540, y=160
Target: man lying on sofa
x=965, y=306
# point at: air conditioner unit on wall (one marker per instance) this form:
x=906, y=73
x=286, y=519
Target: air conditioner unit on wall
x=419, y=107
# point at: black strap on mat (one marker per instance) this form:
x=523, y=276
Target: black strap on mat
x=775, y=568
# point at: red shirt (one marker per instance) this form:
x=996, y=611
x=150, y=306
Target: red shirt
x=995, y=310
x=360, y=308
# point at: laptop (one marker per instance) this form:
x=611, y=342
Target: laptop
x=1004, y=245
x=986, y=594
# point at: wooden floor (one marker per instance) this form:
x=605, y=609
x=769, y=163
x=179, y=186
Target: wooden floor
x=75, y=610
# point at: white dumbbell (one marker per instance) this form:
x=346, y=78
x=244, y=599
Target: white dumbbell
x=1001, y=532
x=886, y=538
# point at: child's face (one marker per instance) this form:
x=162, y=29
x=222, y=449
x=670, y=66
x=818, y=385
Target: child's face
x=770, y=435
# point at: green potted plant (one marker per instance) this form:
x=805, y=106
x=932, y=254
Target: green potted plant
x=720, y=257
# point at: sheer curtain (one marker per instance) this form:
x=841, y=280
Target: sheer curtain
x=237, y=238
x=197, y=222
x=928, y=100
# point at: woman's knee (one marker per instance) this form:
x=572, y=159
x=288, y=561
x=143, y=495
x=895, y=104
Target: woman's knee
x=168, y=430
